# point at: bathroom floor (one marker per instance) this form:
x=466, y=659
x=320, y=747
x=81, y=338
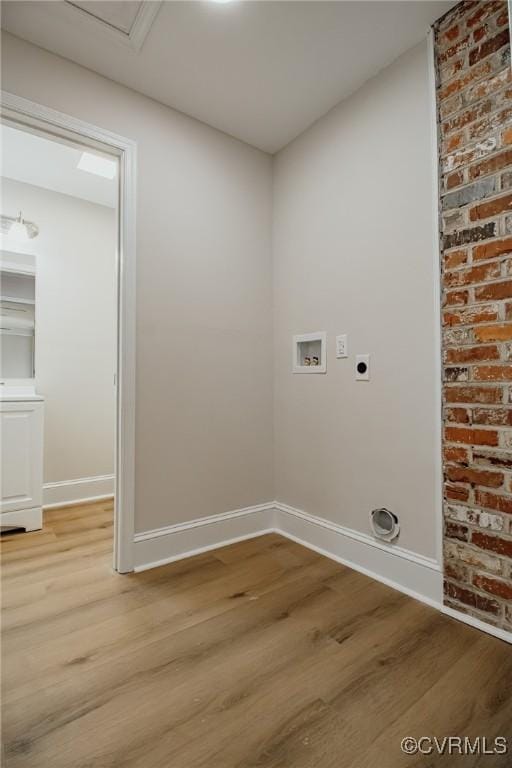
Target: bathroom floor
x=259, y=654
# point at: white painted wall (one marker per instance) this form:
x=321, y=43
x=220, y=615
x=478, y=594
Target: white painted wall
x=204, y=293
x=354, y=253
x=75, y=328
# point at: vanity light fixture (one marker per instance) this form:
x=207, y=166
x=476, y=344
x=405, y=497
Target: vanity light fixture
x=17, y=228
x=100, y=166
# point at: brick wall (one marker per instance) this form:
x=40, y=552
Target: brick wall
x=474, y=102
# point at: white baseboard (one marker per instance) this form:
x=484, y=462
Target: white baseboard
x=77, y=491
x=401, y=569
x=175, y=542
x=502, y=634
x=417, y=576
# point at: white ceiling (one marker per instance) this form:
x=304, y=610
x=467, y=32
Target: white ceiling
x=260, y=71
x=53, y=165
x=120, y=15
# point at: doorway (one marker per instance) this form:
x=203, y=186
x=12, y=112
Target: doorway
x=103, y=165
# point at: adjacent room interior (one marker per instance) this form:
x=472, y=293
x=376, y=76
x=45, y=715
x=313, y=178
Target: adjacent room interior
x=257, y=407
x=59, y=263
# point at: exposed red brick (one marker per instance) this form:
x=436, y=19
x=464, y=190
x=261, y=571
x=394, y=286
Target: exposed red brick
x=504, y=97
x=488, y=47
x=470, y=76
x=493, y=586
x=484, y=10
x=502, y=19
x=467, y=515
x=451, y=34
x=478, y=274
x=471, y=436
x=488, y=86
x=492, y=373
x=449, y=106
x=494, y=501
x=502, y=290
x=491, y=164
x=456, y=298
x=471, y=598
x=454, y=179
x=473, y=394
x=454, y=259
x=489, y=124
x=499, y=417
x=456, y=453
x=453, y=50
x=491, y=250
x=448, y=90
x=456, y=373
x=472, y=354
x=455, y=142
x=453, y=569
x=501, y=332
x=457, y=415
x=456, y=531
x=459, y=11
x=461, y=237
x=491, y=208
x=475, y=476
x=506, y=180
x=457, y=336
x=492, y=543
x=494, y=458
x=474, y=101
x=480, y=33
x=475, y=558
x=450, y=69
x=471, y=316
x=466, y=117
x=456, y=492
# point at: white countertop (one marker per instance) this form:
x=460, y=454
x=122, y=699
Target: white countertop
x=19, y=394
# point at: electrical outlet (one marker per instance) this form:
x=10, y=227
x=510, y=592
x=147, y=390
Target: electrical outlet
x=341, y=346
x=362, y=367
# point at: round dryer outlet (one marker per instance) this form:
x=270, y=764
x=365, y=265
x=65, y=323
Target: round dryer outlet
x=385, y=524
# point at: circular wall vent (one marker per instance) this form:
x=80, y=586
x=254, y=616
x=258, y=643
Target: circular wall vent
x=385, y=524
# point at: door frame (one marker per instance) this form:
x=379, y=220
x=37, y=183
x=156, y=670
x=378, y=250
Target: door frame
x=35, y=116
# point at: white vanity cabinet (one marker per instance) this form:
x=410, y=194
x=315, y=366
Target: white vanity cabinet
x=21, y=448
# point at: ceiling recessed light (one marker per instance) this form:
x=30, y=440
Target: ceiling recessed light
x=98, y=165
x=221, y=1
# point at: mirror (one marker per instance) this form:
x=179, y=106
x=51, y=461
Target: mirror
x=17, y=319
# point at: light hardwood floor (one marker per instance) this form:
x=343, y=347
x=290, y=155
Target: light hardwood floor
x=259, y=654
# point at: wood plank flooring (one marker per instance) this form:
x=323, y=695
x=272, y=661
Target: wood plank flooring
x=259, y=654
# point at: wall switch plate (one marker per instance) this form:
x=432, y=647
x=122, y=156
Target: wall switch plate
x=341, y=346
x=362, y=367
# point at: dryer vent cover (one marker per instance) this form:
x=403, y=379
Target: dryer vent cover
x=385, y=524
